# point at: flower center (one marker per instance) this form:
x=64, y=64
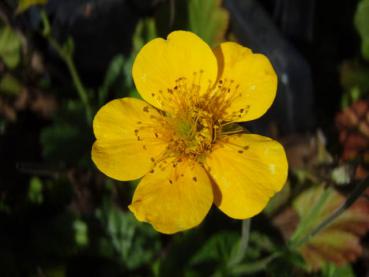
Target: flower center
x=195, y=117
x=193, y=132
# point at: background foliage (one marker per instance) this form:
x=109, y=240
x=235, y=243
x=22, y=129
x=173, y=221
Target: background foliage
x=62, y=60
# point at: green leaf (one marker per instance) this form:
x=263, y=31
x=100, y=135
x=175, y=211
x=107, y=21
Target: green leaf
x=70, y=131
x=354, y=79
x=35, y=191
x=331, y=270
x=115, y=70
x=316, y=200
x=144, y=32
x=10, y=85
x=278, y=200
x=217, y=249
x=26, y=4
x=10, y=45
x=136, y=243
x=362, y=25
x=81, y=232
x=208, y=20
x=332, y=225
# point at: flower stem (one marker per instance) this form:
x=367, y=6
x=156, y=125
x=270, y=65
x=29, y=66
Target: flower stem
x=243, y=244
x=66, y=54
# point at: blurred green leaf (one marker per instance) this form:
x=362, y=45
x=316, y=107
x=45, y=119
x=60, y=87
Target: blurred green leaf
x=10, y=85
x=217, y=249
x=10, y=45
x=120, y=68
x=35, y=190
x=278, y=200
x=354, y=74
x=362, y=25
x=4, y=208
x=136, y=243
x=57, y=271
x=250, y=268
x=208, y=19
x=144, y=32
x=26, y=4
x=180, y=251
x=116, y=70
x=331, y=270
x=81, y=232
x=354, y=77
x=69, y=139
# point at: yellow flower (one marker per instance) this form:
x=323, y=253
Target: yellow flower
x=177, y=140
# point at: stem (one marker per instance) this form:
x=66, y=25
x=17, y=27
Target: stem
x=82, y=92
x=359, y=189
x=255, y=266
x=307, y=220
x=244, y=241
x=67, y=57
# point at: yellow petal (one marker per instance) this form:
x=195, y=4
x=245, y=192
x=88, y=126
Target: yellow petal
x=174, y=197
x=247, y=169
x=126, y=145
x=251, y=79
x=161, y=63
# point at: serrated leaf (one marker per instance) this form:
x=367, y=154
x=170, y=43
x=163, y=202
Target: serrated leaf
x=208, y=19
x=26, y=4
x=339, y=242
x=216, y=249
x=135, y=242
x=362, y=25
x=10, y=45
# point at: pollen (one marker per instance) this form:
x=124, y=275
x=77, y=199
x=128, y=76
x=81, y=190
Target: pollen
x=195, y=123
